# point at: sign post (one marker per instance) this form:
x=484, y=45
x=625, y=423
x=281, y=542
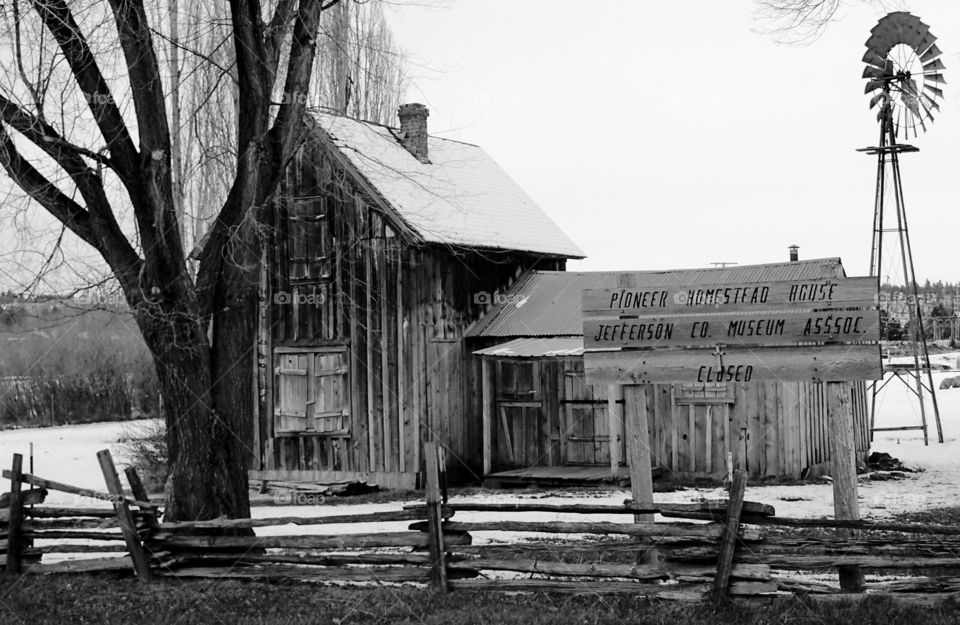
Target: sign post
x=820, y=330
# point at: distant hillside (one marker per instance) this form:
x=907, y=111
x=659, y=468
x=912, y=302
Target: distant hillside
x=63, y=361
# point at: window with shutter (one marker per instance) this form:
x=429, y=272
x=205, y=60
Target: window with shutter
x=312, y=392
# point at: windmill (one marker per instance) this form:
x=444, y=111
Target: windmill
x=904, y=77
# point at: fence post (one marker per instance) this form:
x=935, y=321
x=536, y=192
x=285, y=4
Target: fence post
x=15, y=526
x=127, y=523
x=434, y=500
x=843, y=457
x=140, y=494
x=728, y=543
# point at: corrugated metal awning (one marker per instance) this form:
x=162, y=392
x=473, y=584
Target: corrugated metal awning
x=553, y=346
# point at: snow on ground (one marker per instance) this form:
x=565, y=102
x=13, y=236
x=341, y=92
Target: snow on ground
x=68, y=454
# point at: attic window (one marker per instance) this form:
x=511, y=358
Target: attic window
x=310, y=244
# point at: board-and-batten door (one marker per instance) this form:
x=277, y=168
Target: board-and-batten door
x=519, y=415
x=585, y=423
x=312, y=392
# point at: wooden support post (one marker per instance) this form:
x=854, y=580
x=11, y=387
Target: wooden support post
x=15, y=527
x=728, y=543
x=127, y=524
x=615, y=421
x=434, y=516
x=843, y=456
x=638, y=454
x=488, y=409
x=140, y=494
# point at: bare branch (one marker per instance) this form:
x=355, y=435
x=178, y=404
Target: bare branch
x=58, y=204
x=61, y=23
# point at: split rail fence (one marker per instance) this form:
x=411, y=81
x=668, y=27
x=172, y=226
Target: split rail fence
x=718, y=549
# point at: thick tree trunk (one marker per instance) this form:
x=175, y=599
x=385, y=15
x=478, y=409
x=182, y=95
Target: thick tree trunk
x=207, y=429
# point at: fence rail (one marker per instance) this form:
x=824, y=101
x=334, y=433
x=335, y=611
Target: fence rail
x=718, y=549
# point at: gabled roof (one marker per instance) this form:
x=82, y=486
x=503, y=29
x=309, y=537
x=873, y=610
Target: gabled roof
x=548, y=303
x=462, y=197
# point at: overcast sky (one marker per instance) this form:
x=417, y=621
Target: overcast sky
x=671, y=134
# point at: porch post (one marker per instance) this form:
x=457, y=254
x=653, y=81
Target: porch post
x=488, y=407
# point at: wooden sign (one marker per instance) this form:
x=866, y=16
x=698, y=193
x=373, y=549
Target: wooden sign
x=821, y=294
x=775, y=328
x=825, y=329
x=734, y=364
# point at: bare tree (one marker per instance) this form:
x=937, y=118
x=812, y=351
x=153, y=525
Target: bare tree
x=361, y=72
x=85, y=133
x=803, y=21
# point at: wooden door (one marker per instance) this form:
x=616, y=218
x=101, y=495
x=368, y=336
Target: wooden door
x=522, y=440
x=584, y=421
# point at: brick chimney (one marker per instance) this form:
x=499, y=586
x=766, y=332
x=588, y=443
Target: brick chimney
x=413, y=130
x=794, y=253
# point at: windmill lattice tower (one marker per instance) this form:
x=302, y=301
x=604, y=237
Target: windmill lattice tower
x=900, y=52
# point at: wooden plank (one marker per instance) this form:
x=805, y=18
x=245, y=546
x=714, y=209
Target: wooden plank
x=638, y=448
x=844, y=463
x=772, y=427
x=710, y=329
x=14, y=534
x=728, y=447
x=86, y=565
x=390, y=574
x=140, y=493
x=729, y=540
x=127, y=524
x=51, y=512
x=682, y=591
x=674, y=431
x=438, y=571
x=716, y=506
x=615, y=419
x=27, y=498
x=825, y=362
x=488, y=407
x=402, y=364
x=708, y=439
x=652, y=530
x=74, y=490
x=755, y=433
x=309, y=541
x=411, y=514
x=373, y=444
x=387, y=394
x=549, y=409
x=821, y=293
x=507, y=438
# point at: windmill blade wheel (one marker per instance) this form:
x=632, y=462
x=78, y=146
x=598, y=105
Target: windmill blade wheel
x=904, y=71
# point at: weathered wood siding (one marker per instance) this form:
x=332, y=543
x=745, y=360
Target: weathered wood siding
x=769, y=429
x=341, y=277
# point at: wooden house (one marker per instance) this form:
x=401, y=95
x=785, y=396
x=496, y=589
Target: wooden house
x=388, y=246
x=541, y=421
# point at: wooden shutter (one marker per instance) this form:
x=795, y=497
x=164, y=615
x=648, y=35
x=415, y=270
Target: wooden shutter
x=293, y=391
x=331, y=410
x=313, y=392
